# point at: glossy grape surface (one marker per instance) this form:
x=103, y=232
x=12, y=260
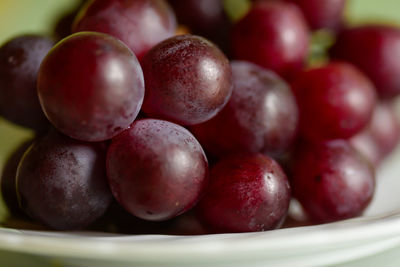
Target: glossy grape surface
x=156, y=169
x=261, y=115
x=332, y=181
x=374, y=49
x=335, y=101
x=140, y=24
x=62, y=182
x=247, y=193
x=274, y=35
x=91, y=86
x=188, y=80
x=20, y=59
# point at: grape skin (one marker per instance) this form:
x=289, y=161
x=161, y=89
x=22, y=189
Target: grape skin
x=252, y=119
x=62, y=182
x=247, y=193
x=273, y=35
x=335, y=101
x=91, y=86
x=332, y=181
x=156, y=169
x=188, y=80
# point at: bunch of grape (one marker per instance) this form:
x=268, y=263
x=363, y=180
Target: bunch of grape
x=140, y=124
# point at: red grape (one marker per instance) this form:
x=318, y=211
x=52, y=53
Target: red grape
x=252, y=121
x=62, y=182
x=140, y=24
x=273, y=35
x=332, y=181
x=374, y=49
x=91, y=86
x=188, y=80
x=20, y=59
x=156, y=169
x=247, y=192
x=335, y=101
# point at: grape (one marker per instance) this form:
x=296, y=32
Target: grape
x=335, y=101
x=325, y=14
x=20, y=59
x=374, y=49
x=140, y=24
x=206, y=18
x=188, y=80
x=247, y=192
x=332, y=181
x=252, y=119
x=91, y=86
x=62, y=182
x=273, y=35
x=156, y=169
x=8, y=179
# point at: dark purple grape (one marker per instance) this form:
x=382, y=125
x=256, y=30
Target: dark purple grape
x=322, y=14
x=332, y=181
x=261, y=115
x=20, y=59
x=8, y=179
x=374, y=49
x=91, y=86
x=273, y=35
x=206, y=18
x=335, y=101
x=188, y=80
x=62, y=182
x=156, y=169
x=247, y=193
x=140, y=24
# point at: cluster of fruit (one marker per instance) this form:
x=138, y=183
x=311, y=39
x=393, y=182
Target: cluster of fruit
x=123, y=107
